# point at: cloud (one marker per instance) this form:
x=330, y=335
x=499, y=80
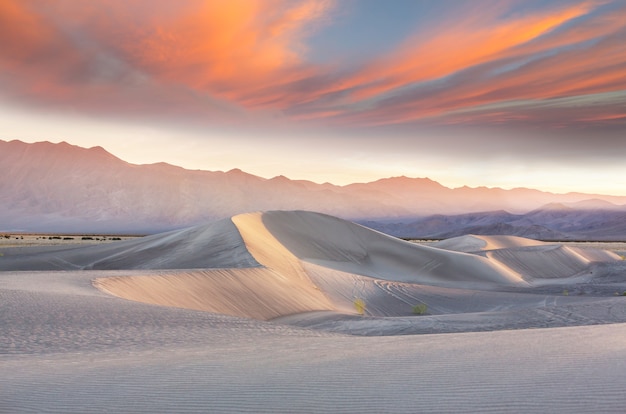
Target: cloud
x=534, y=57
x=196, y=57
x=224, y=48
x=462, y=40
x=247, y=60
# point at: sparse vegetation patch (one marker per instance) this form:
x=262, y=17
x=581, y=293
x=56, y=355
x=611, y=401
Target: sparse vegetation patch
x=359, y=305
x=420, y=309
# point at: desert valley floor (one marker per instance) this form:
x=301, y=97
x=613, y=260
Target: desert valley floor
x=257, y=314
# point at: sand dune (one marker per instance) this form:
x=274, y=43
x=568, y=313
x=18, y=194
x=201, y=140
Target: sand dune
x=532, y=260
x=548, y=262
x=258, y=293
x=176, y=323
x=474, y=243
x=283, y=243
x=345, y=246
x=214, y=245
x=274, y=264
x=313, y=267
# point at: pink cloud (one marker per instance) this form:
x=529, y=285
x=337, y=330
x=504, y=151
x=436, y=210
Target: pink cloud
x=544, y=64
x=243, y=58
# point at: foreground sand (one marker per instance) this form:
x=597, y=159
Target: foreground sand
x=195, y=336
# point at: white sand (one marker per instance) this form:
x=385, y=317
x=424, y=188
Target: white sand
x=67, y=346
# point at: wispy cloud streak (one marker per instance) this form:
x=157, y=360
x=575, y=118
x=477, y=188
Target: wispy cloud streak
x=482, y=62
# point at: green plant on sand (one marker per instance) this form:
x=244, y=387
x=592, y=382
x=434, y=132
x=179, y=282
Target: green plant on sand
x=420, y=309
x=359, y=305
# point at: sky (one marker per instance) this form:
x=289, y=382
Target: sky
x=466, y=92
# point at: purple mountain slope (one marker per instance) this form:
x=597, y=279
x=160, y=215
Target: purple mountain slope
x=62, y=187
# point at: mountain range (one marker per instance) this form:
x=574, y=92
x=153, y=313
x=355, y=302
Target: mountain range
x=552, y=222
x=59, y=187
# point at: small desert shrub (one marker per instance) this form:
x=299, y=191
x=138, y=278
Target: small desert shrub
x=359, y=305
x=420, y=309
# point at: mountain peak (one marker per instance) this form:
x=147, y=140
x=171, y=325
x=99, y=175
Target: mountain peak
x=99, y=149
x=554, y=207
x=403, y=182
x=595, y=204
x=46, y=186
x=235, y=171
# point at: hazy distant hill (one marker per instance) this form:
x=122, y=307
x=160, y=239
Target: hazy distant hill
x=62, y=187
x=550, y=222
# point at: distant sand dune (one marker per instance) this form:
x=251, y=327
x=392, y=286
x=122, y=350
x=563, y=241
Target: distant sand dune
x=532, y=260
x=472, y=243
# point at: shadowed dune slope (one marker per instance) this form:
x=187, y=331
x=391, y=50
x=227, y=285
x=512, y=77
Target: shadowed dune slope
x=214, y=245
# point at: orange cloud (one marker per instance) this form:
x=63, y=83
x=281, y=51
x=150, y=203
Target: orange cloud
x=455, y=45
x=228, y=49
x=202, y=57
x=124, y=55
x=21, y=31
x=496, y=68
